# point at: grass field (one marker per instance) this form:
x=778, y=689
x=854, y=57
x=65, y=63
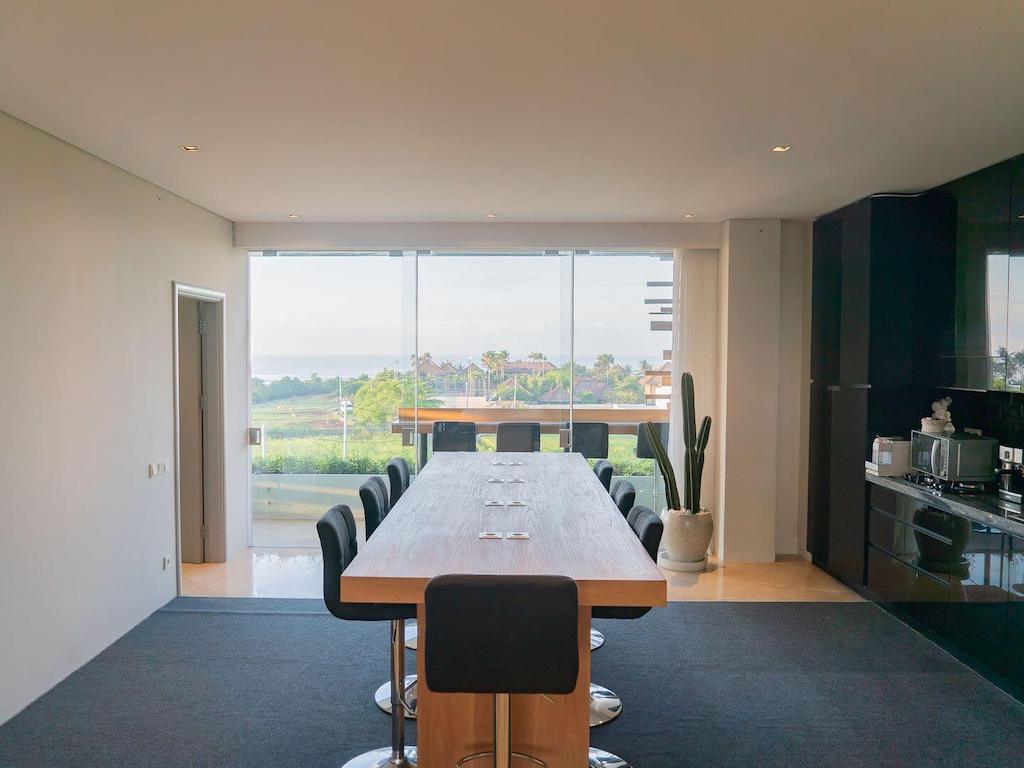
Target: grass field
x=303, y=435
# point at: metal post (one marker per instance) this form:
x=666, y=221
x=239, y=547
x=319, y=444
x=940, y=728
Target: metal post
x=502, y=732
x=397, y=692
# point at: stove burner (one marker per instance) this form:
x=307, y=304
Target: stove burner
x=944, y=486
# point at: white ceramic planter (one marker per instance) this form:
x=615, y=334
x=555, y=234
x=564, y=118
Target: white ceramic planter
x=686, y=540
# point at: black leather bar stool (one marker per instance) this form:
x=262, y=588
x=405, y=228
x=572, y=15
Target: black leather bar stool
x=518, y=437
x=624, y=495
x=604, y=704
x=337, y=531
x=374, y=495
x=604, y=471
x=501, y=635
x=454, y=436
x=399, y=478
x=591, y=439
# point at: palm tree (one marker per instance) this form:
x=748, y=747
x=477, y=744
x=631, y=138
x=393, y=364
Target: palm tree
x=644, y=366
x=603, y=366
x=492, y=363
x=537, y=358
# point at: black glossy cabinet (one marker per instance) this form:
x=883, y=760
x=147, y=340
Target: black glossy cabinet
x=876, y=265
x=1013, y=660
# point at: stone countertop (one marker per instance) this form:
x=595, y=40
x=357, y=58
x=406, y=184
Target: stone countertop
x=984, y=508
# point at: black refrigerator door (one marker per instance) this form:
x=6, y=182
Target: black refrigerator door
x=848, y=407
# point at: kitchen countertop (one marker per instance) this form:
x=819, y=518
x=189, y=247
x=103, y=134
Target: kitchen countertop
x=984, y=508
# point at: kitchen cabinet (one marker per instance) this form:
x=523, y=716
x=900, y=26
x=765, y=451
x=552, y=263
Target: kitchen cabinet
x=866, y=354
x=983, y=276
x=978, y=594
x=1013, y=659
x=909, y=556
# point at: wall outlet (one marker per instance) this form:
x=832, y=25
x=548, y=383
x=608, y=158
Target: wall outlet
x=157, y=468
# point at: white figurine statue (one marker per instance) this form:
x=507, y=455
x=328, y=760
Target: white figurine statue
x=941, y=421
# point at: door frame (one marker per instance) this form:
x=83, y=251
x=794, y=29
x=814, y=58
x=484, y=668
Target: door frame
x=214, y=459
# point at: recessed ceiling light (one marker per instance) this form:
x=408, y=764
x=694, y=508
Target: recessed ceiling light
x=293, y=215
x=189, y=148
x=491, y=216
x=781, y=148
x=689, y=215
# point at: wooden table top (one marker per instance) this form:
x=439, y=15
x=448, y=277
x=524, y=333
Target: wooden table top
x=575, y=530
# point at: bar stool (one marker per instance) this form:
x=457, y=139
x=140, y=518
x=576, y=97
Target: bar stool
x=399, y=478
x=604, y=471
x=337, y=531
x=501, y=635
x=374, y=495
x=454, y=436
x=518, y=437
x=591, y=439
x=605, y=705
x=624, y=495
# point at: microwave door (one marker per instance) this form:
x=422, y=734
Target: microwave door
x=936, y=457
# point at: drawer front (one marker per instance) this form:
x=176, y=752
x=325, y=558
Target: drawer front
x=919, y=594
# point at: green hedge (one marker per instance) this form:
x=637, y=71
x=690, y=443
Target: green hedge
x=370, y=465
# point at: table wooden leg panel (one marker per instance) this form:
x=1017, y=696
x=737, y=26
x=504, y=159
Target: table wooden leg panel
x=555, y=729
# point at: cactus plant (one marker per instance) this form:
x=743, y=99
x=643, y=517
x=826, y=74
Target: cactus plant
x=695, y=443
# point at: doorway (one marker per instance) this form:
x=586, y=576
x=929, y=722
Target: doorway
x=199, y=425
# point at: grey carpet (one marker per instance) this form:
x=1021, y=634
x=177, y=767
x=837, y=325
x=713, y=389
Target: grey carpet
x=280, y=683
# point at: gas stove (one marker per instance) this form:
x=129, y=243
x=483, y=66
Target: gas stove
x=944, y=486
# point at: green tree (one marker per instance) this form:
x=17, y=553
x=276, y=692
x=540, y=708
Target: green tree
x=603, y=366
x=376, y=402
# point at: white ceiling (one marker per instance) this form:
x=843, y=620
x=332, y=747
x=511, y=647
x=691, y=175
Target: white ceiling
x=539, y=110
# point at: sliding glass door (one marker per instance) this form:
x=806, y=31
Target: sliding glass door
x=357, y=355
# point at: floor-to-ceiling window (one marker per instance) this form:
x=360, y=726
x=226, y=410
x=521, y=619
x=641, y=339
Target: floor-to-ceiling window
x=356, y=354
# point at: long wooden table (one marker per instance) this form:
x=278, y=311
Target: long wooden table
x=575, y=530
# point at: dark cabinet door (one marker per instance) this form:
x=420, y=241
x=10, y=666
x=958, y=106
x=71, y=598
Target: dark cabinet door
x=1015, y=277
x=855, y=294
x=847, y=508
x=818, y=468
x=982, y=276
x=978, y=600
x=1013, y=660
x=826, y=293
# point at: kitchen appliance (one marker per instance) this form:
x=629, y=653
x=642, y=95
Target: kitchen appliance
x=1011, y=473
x=955, y=458
x=890, y=456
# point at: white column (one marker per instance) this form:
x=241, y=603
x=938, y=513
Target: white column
x=748, y=367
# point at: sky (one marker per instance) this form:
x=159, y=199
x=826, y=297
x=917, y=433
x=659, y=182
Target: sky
x=329, y=305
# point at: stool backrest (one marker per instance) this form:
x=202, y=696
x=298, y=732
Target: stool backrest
x=339, y=545
x=501, y=634
x=624, y=495
x=374, y=495
x=518, y=437
x=399, y=478
x=590, y=438
x=454, y=436
x=648, y=528
x=604, y=471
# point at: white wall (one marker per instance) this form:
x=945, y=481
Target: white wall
x=87, y=256
x=763, y=389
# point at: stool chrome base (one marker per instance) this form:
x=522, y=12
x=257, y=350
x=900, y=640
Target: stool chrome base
x=381, y=758
x=596, y=639
x=383, y=697
x=598, y=758
x=411, y=635
x=605, y=705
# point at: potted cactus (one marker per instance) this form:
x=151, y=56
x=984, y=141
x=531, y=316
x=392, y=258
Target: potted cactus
x=688, y=526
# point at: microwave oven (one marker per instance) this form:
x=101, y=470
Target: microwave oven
x=956, y=457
